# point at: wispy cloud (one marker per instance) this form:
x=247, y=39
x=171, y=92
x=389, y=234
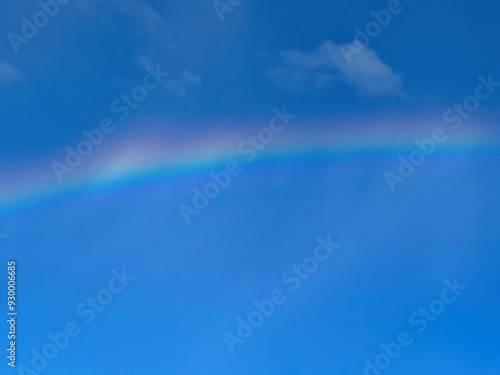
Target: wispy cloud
x=297, y=72
x=9, y=73
x=158, y=46
x=180, y=86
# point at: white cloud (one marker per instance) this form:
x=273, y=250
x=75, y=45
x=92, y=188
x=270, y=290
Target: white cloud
x=180, y=86
x=158, y=47
x=9, y=73
x=314, y=71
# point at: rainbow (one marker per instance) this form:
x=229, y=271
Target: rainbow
x=156, y=158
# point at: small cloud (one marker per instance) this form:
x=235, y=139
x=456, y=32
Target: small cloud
x=180, y=86
x=138, y=10
x=315, y=71
x=365, y=71
x=86, y=7
x=158, y=39
x=142, y=13
x=9, y=73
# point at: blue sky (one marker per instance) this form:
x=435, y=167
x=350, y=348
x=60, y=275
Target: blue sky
x=323, y=175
